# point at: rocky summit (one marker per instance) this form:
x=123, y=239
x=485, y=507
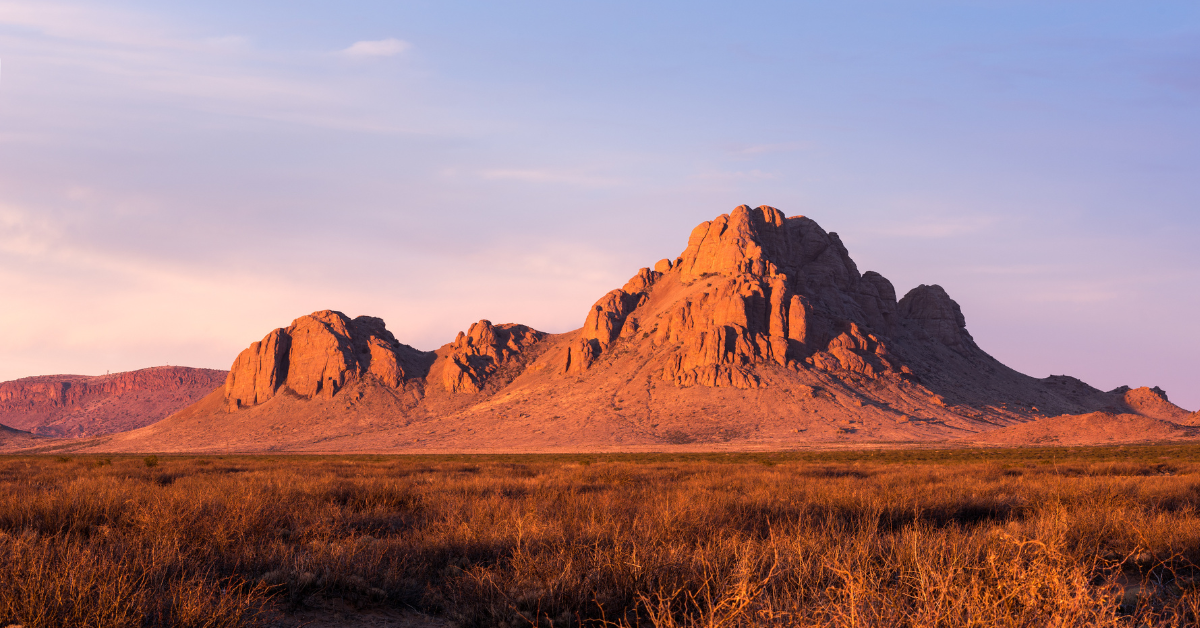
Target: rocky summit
x=761, y=334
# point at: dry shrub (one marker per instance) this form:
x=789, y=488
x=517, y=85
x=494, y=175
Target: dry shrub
x=604, y=541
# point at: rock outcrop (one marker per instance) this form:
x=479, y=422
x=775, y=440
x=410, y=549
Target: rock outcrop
x=932, y=316
x=481, y=351
x=757, y=288
x=606, y=321
x=318, y=355
x=1147, y=401
x=80, y=405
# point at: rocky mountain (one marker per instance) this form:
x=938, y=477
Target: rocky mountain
x=79, y=405
x=763, y=333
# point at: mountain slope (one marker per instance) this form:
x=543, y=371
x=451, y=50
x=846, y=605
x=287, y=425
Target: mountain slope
x=762, y=333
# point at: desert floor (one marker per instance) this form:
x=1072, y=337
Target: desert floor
x=1098, y=536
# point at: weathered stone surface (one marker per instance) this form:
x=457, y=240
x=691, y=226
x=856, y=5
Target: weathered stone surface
x=317, y=356
x=931, y=315
x=1148, y=401
x=79, y=405
x=259, y=370
x=858, y=352
x=606, y=321
x=759, y=288
x=481, y=351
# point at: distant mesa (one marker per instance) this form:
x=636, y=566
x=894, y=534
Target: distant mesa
x=763, y=333
x=80, y=405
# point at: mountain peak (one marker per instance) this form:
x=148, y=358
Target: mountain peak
x=762, y=332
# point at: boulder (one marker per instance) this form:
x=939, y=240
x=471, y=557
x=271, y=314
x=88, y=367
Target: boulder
x=1147, y=401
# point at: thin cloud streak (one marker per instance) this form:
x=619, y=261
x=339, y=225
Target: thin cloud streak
x=949, y=227
x=129, y=57
x=380, y=48
x=548, y=176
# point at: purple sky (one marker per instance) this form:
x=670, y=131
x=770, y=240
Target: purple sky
x=177, y=179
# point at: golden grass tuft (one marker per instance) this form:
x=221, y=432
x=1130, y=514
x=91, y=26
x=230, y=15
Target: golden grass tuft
x=1090, y=538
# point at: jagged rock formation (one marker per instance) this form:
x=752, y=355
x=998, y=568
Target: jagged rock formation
x=761, y=334
x=770, y=289
x=606, y=321
x=317, y=356
x=80, y=405
x=481, y=351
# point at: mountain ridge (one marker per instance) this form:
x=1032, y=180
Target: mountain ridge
x=761, y=333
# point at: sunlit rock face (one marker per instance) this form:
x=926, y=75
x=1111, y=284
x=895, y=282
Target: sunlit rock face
x=756, y=287
x=475, y=355
x=317, y=356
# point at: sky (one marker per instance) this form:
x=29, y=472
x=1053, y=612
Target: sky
x=177, y=179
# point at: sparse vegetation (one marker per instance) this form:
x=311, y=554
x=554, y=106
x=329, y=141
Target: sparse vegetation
x=1088, y=537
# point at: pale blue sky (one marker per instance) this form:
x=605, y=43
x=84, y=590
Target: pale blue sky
x=177, y=179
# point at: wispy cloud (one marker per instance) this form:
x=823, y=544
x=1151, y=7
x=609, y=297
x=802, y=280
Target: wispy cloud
x=933, y=228
x=549, y=176
x=1087, y=292
x=118, y=57
x=84, y=24
x=736, y=175
x=377, y=48
x=762, y=149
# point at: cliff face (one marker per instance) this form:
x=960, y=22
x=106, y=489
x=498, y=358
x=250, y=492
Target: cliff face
x=752, y=288
x=318, y=355
x=762, y=333
x=78, y=405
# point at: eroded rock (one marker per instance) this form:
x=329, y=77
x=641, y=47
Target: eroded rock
x=481, y=351
x=758, y=288
x=606, y=320
x=317, y=356
x=931, y=315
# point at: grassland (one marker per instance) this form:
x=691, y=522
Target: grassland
x=1049, y=537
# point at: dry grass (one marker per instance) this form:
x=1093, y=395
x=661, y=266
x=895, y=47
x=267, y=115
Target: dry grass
x=1035, y=538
